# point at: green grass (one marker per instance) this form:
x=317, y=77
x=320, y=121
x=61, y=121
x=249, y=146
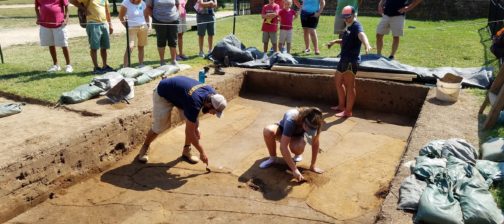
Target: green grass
x=14, y=2
x=454, y=44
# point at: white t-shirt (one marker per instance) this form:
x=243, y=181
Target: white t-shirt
x=134, y=13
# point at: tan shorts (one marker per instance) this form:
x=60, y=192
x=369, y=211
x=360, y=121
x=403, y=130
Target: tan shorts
x=138, y=34
x=53, y=36
x=267, y=36
x=161, y=113
x=285, y=36
x=394, y=23
x=182, y=27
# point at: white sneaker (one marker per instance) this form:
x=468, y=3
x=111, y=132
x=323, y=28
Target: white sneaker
x=69, y=69
x=175, y=63
x=201, y=54
x=54, y=68
x=267, y=163
x=298, y=158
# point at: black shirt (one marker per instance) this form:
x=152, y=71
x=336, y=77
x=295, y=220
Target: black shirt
x=391, y=7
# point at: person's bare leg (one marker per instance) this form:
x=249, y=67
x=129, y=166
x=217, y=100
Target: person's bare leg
x=200, y=42
x=180, y=43
x=306, y=36
x=338, y=78
x=275, y=47
x=66, y=53
x=349, y=80
x=125, y=61
x=141, y=54
x=297, y=145
x=288, y=47
x=103, y=54
x=269, y=138
x=161, y=51
x=314, y=38
x=379, y=43
x=265, y=47
x=210, y=43
x=173, y=54
x=148, y=140
x=395, y=45
x=52, y=51
x=94, y=57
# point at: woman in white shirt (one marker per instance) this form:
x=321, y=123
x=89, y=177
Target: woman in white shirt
x=138, y=26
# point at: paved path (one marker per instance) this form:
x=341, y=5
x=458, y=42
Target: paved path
x=17, y=36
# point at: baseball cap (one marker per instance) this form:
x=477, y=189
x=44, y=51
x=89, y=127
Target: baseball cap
x=347, y=11
x=219, y=103
x=312, y=129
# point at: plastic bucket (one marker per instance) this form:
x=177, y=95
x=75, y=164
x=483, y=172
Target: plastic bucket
x=131, y=84
x=448, y=92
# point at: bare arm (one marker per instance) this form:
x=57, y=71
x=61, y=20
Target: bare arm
x=78, y=5
x=322, y=5
x=315, y=151
x=37, y=13
x=380, y=7
x=410, y=7
x=122, y=14
x=363, y=38
x=146, y=15
x=191, y=133
x=67, y=15
x=109, y=20
x=284, y=142
x=296, y=2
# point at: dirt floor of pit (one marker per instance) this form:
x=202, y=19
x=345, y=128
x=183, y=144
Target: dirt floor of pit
x=359, y=155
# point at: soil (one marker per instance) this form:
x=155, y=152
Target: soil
x=359, y=156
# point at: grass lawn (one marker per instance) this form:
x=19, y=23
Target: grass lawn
x=14, y=2
x=430, y=44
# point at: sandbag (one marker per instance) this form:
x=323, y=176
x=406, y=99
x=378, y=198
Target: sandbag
x=410, y=192
x=80, y=94
x=490, y=170
x=426, y=168
x=438, y=204
x=461, y=149
x=154, y=73
x=432, y=149
x=183, y=67
x=144, y=69
x=8, y=109
x=107, y=80
x=140, y=80
x=169, y=69
x=493, y=150
x=129, y=72
x=477, y=203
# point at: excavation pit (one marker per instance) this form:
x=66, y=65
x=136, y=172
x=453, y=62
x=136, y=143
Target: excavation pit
x=360, y=156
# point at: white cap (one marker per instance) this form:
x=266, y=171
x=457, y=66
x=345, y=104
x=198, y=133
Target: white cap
x=219, y=103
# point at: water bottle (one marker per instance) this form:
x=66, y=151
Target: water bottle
x=201, y=76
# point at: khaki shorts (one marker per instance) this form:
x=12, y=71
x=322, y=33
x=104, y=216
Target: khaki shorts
x=182, y=28
x=267, y=36
x=394, y=23
x=161, y=113
x=285, y=36
x=53, y=36
x=138, y=34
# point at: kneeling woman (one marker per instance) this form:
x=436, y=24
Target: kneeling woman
x=290, y=132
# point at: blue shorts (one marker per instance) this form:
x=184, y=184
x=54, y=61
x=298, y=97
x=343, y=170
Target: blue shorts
x=206, y=24
x=98, y=36
x=347, y=64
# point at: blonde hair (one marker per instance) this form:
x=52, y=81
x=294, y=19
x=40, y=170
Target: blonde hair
x=312, y=115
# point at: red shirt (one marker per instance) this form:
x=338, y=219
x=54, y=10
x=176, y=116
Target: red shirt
x=286, y=18
x=52, y=14
x=270, y=25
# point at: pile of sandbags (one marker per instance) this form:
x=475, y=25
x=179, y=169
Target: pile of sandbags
x=107, y=81
x=449, y=185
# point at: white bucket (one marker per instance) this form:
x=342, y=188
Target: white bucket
x=448, y=92
x=131, y=84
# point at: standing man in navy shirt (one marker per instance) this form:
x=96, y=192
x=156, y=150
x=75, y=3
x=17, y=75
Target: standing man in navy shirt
x=393, y=16
x=190, y=97
x=352, y=38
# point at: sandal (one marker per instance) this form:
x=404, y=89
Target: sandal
x=343, y=114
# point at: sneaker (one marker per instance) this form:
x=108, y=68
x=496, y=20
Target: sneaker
x=178, y=58
x=307, y=51
x=183, y=57
x=298, y=158
x=186, y=154
x=69, y=69
x=54, y=68
x=107, y=68
x=317, y=52
x=174, y=63
x=201, y=54
x=391, y=57
x=140, y=66
x=343, y=114
x=267, y=163
x=97, y=71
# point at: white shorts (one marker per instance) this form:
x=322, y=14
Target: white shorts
x=53, y=36
x=182, y=27
x=161, y=113
x=285, y=36
x=394, y=23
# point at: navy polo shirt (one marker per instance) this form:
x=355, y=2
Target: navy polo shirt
x=351, y=44
x=176, y=90
x=391, y=7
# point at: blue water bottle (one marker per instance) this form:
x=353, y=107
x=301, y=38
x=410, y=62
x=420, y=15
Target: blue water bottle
x=201, y=76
